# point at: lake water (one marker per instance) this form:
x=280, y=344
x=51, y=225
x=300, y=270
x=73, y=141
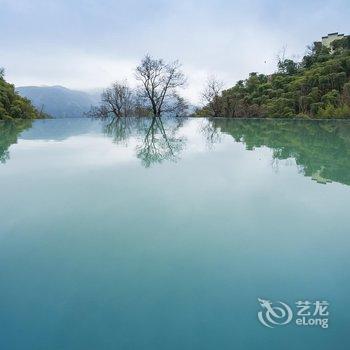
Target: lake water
x=163, y=234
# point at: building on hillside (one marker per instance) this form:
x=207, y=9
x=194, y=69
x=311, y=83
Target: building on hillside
x=327, y=40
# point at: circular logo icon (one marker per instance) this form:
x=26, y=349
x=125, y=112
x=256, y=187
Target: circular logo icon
x=274, y=314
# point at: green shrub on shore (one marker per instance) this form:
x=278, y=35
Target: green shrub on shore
x=12, y=105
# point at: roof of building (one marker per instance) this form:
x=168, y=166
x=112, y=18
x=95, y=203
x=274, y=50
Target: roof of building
x=330, y=34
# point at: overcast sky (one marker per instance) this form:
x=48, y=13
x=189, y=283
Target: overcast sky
x=88, y=44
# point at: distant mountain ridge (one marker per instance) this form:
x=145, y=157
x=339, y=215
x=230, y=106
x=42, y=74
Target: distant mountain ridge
x=58, y=101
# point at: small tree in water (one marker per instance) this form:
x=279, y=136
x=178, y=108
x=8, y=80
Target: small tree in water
x=211, y=96
x=116, y=102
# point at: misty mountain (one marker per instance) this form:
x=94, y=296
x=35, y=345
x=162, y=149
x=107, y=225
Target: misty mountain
x=58, y=101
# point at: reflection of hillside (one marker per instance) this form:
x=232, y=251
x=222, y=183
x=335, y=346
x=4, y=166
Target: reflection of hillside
x=9, y=132
x=320, y=148
x=61, y=129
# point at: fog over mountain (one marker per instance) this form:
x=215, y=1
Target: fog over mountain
x=58, y=101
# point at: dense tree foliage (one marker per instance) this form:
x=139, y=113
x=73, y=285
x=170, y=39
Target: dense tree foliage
x=12, y=105
x=316, y=87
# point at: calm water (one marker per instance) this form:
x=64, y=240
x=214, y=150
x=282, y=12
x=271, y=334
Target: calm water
x=151, y=234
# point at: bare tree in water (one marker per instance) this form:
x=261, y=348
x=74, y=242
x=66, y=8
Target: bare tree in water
x=211, y=95
x=116, y=102
x=159, y=82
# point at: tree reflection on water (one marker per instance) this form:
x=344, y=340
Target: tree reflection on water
x=9, y=132
x=157, y=138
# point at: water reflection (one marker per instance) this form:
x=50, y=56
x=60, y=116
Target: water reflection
x=211, y=133
x=321, y=149
x=158, y=139
x=9, y=132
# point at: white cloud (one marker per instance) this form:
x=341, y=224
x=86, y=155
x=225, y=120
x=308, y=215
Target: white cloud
x=72, y=69
x=85, y=45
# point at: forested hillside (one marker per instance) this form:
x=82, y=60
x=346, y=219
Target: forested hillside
x=316, y=87
x=12, y=105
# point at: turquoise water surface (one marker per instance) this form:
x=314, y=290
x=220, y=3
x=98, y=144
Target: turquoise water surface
x=162, y=234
